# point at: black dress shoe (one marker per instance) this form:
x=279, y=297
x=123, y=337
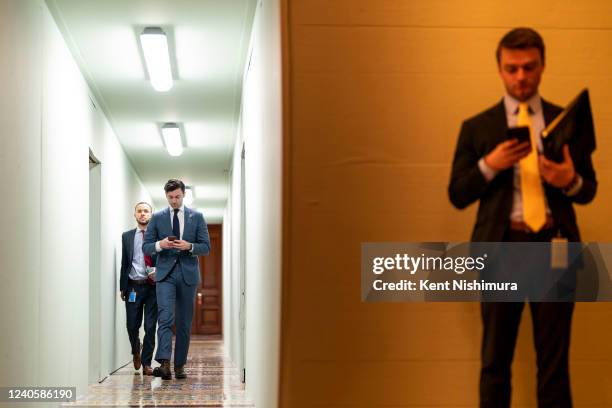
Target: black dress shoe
x=136, y=357
x=136, y=361
x=179, y=372
x=163, y=370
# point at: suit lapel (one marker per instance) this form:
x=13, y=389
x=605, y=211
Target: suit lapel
x=550, y=112
x=499, y=123
x=498, y=127
x=165, y=223
x=131, y=237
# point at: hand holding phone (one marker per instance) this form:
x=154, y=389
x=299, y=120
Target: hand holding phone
x=520, y=133
x=167, y=243
x=510, y=151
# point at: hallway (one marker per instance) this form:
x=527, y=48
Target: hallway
x=213, y=381
x=103, y=103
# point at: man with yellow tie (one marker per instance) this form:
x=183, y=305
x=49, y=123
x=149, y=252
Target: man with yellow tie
x=526, y=198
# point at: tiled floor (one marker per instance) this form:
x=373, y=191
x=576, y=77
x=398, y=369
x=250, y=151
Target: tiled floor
x=212, y=381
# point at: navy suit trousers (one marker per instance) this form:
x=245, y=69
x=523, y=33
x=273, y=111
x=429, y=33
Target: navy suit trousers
x=173, y=293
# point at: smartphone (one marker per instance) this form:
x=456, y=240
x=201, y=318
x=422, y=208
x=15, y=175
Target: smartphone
x=521, y=133
x=171, y=238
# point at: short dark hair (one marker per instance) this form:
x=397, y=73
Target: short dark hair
x=173, y=184
x=145, y=203
x=521, y=38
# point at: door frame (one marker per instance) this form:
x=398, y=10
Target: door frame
x=242, y=268
x=95, y=296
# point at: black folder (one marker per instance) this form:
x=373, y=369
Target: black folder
x=574, y=127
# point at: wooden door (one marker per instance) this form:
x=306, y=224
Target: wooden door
x=208, y=309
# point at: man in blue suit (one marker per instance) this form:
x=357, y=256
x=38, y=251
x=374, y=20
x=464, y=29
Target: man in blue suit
x=177, y=235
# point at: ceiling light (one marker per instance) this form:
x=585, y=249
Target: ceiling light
x=155, y=49
x=172, y=139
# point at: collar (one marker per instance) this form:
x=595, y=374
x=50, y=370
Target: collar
x=511, y=104
x=181, y=208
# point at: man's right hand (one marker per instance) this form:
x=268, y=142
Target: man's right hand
x=506, y=154
x=166, y=244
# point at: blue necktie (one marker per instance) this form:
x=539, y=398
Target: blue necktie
x=176, y=228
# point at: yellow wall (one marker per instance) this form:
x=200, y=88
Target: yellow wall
x=375, y=94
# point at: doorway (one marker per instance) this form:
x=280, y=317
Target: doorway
x=208, y=317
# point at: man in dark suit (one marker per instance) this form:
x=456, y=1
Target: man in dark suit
x=522, y=197
x=137, y=289
x=178, y=235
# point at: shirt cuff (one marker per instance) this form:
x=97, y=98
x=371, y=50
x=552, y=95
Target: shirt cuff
x=575, y=187
x=158, y=247
x=191, y=250
x=486, y=170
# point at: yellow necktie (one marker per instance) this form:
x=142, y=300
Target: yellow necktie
x=534, y=208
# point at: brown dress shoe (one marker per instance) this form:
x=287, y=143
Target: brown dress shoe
x=147, y=370
x=179, y=372
x=163, y=370
x=136, y=360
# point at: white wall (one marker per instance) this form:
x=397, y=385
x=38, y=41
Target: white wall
x=261, y=130
x=231, y=254
x=52, y=125
x=20, y=154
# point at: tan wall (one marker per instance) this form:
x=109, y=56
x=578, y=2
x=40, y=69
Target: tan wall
x=375, y=93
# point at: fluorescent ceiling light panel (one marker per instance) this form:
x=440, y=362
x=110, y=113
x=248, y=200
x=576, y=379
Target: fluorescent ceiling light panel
x=157, y=58
x=172, y=139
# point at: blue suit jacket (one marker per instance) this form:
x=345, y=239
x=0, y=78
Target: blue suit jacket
x=195, y=231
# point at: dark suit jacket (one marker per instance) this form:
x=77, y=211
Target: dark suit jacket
x=195, y=231
x=479, y=135
x=127, y=253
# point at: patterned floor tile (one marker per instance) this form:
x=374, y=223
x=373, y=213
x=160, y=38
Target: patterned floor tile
x=212, y=381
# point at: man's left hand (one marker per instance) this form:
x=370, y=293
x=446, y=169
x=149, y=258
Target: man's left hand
x=181, y=245
x=558, y=175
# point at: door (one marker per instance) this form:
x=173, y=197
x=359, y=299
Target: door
x=208, y=306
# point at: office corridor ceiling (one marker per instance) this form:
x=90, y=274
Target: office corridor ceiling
x=208, y=41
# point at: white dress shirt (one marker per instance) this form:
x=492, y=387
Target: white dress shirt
x=181, y=218
x=139, y=268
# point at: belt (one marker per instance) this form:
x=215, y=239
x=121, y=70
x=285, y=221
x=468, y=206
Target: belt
x=138, y=282
x=521, y=226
